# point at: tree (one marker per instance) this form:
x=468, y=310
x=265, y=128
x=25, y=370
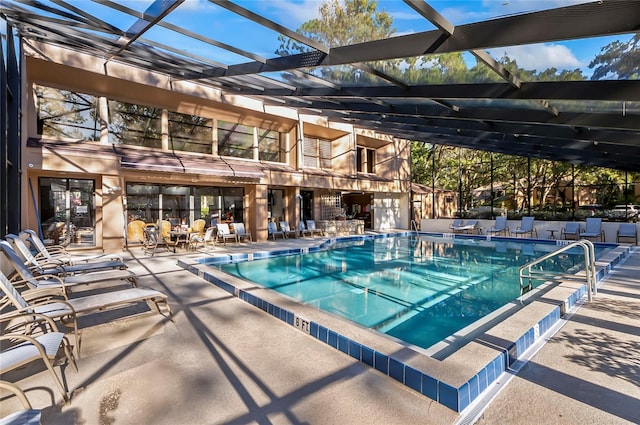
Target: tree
x=341, y=24
x=619, y=60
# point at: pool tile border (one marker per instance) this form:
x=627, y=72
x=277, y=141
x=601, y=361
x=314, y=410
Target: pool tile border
x=455, y=398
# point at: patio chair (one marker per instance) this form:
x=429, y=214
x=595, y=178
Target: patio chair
x=627, y=231
x=272, y=230
x=470, y=226
x=570, y=231
x=60, y=281
x=311, y=226
x=284, y=226
x=198, y=227
x=456, y=224
x=526, y=227
x=59, y=253
x=207, y=238
x=31, y=337
x=164, y=228
x=44, y=266
x=224, y=233
x=27, y=416
x=66, y=310
x=593, y=229
x=241, y=232
x=135, y=232
x=499, y=227
x=153, y=241
x=303, y=229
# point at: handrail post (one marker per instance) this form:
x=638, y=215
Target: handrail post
x=589, y=265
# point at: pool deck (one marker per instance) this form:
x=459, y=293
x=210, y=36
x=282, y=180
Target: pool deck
x=222, y=361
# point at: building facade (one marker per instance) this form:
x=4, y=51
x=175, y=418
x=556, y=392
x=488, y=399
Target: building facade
x=104, y=144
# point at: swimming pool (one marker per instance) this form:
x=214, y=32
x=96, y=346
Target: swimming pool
x=453, y=372
x=418, y=289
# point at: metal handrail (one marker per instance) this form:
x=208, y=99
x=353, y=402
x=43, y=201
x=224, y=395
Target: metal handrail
x=414, y=225
x=589, y=266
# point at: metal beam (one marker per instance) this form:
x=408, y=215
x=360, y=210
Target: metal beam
x=620, y=90
x=568, y=23
x=158, y=10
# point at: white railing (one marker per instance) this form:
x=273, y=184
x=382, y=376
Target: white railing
x=527, y=273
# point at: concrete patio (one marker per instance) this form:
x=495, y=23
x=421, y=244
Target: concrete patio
x=222, y=361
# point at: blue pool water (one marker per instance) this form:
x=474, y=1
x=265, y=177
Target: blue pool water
x=418, y=289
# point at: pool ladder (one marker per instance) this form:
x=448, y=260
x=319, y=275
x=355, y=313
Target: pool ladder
x=527, y=273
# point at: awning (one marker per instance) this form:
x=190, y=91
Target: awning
x=174, y=163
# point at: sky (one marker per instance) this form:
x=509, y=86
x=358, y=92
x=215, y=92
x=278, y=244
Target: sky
x=206, y=18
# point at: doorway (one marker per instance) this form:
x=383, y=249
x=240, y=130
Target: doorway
x=67, y=211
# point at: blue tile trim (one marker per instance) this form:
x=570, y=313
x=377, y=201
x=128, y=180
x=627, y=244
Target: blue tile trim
x=430, y=387
x=413, y=378
x=355, y=350
x=343, y=344
x=448, y=396
x=323, y=334
x=396, y=369
x=367, y=356
x=381, y=362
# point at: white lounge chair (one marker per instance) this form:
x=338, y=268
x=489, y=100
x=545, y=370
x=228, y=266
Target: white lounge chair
x=311, y=226
x=66, y=310
x=526, y=227
x=593, y=229
x=59, y=253
x=272, y=230
x=470, y=226
x=456, y=223
x=499, y=227
x=302, y=229
x=571, y=230
x=627, y=231
x=60, y=281
x=27, y=416
x=207, y=238
x=284, y=226
x=45, y=266
x=20, y=345
x=224, y=233
x=241, y=232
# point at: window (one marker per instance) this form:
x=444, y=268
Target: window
x=270, y=146
x=66, y=114
x=190, y=133
x=143, y=202
x=235, y=140
x=366, y=160
x=317, y=152
x=137, y=125
x=184, y=203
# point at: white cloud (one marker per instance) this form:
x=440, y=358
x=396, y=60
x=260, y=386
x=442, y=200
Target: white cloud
x=507, y=7
x=540, y=56
x=292, y=13
x=469, y=12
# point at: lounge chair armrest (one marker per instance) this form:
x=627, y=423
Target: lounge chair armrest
x=40, y=295
x=21, y=319
x=18, y=393
x=44, y=259
x=27, y=282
